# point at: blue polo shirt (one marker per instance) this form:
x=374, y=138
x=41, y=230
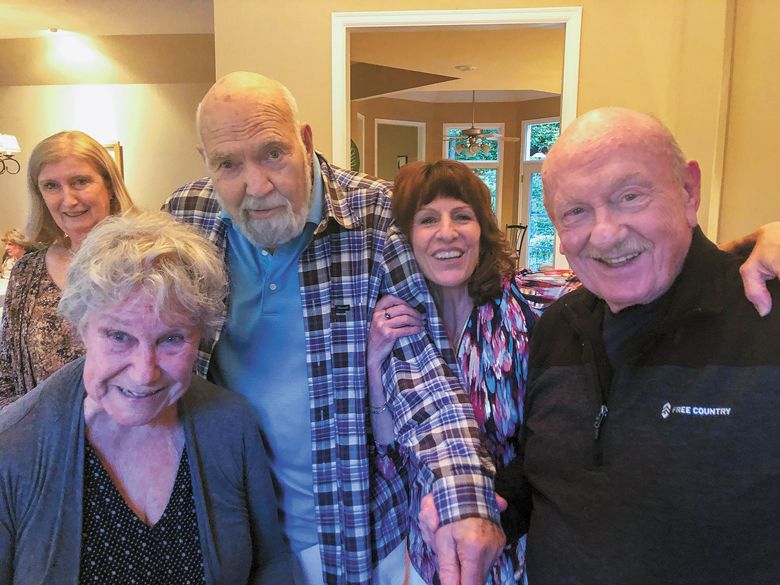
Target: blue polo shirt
x=261, y=354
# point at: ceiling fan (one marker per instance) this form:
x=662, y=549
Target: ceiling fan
x=473, y=140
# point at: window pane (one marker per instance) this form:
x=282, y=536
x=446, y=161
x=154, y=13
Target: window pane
x=541, y=236
x=541, y=137
x=490, y=178
x=464, y=155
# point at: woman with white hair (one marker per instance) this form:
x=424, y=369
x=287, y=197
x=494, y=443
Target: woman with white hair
x=73, y=184
x=122, y=467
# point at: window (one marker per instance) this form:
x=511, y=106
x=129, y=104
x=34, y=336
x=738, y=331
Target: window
x=538, y=137
x=486, y=162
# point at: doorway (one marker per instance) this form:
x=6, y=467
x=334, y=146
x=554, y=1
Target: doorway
x=568, y=18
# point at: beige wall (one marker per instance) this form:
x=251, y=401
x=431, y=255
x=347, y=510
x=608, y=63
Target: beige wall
x=154, y=124
x=75, y=59
x=751, y=182
x=435, y=116
x=141, y=91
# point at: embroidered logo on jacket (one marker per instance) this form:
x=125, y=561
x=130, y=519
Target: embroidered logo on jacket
x=667, y=410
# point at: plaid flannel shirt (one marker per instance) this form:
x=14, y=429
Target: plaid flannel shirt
x=355, y=257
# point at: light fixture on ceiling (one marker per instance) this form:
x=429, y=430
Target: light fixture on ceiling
x=473, y=145
x=474, y=137
x=473, y=140
x=9, y=146
x=465, y=68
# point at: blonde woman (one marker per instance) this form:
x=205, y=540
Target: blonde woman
x=73, y=184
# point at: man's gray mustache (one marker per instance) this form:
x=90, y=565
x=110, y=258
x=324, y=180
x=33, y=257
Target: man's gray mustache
x=266, y=205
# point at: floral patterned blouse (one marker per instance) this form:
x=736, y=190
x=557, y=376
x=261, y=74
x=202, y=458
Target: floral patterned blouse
x=493, y=360
x=35, y=340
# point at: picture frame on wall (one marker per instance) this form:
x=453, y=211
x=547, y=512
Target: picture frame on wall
x=401, y=160
x=115, y=151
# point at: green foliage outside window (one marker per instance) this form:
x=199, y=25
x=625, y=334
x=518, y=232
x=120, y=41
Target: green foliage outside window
x=490, y=178
x=543, y=136
x=541, y=235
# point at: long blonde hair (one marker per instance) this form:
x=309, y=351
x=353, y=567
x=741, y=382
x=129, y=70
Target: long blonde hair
x=41, y=229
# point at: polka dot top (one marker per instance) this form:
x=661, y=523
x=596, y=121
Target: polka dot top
x=117, y=547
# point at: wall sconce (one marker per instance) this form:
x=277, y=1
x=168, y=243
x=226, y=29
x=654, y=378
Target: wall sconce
x=9, y=145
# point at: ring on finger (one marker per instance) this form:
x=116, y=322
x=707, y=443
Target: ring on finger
x=387, y=316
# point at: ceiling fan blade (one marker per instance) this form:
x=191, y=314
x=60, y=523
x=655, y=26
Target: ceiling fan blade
x=498, y=138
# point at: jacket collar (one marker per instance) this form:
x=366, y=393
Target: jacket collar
x=336, y=206
x=700, y=286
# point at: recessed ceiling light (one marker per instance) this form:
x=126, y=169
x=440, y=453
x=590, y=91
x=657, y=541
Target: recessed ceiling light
x=53, y=29
x=466, y=67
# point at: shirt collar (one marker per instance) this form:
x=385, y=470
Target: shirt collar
x=315, y=213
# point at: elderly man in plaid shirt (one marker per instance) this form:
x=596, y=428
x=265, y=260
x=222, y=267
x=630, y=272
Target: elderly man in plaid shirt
x=310, y=249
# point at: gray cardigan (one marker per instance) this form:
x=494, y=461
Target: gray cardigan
x=41, y=481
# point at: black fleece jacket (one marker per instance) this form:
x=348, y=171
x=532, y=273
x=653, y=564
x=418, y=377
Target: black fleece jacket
x=680, y=482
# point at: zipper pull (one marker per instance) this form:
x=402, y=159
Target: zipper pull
x=602, y=414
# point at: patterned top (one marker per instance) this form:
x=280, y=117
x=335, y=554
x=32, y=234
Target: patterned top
x=493, y=360
x=36, y=341
x=117, y=547
x=355, y=257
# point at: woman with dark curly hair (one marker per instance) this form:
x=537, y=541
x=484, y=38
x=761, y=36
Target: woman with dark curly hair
x=443, y=208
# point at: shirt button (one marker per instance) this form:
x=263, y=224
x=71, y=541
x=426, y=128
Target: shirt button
x=272, y=286
x=264, y=252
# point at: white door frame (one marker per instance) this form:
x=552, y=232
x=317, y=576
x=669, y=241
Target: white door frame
x=524, y=191
x=361, y=119
x=341, y=22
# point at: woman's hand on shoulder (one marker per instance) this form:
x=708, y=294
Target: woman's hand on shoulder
x=392, y=319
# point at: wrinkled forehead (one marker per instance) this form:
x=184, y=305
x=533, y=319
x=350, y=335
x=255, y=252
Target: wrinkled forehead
x=621, y=153
x=241, y=117
x=146, y=300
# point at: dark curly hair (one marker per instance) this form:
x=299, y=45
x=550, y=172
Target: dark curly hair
x=419, y=183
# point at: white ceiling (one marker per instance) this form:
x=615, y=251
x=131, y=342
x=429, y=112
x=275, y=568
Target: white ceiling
x=27, y=18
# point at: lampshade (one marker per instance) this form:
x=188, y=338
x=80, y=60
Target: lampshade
x=9, y=144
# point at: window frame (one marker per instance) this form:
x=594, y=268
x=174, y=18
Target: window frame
x=526, y=143
x=487, y=164
x=528, y=167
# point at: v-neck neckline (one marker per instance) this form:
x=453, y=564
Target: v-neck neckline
x=105, y=477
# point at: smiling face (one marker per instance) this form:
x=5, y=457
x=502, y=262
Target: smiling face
x=137, y=365
x=75, y=194
x=445, y=241
x=624, y=212
x=259, y=161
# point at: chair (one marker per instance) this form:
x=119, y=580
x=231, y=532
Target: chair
x=515, y=235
